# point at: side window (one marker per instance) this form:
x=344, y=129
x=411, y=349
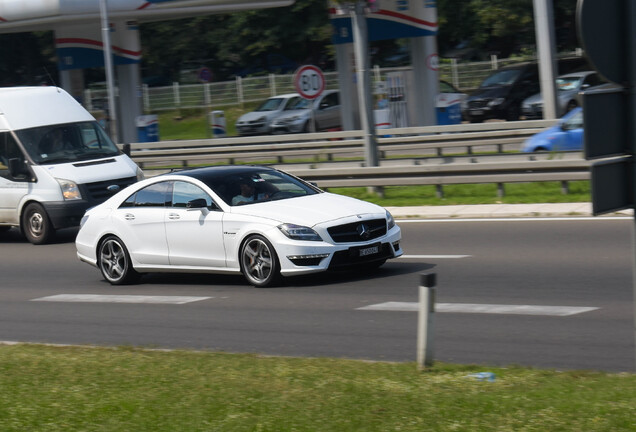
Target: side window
x=575, y=122
x=8, y=150
x=155, y=195
x=183, y=192
x=593, y=80
x=329, y=101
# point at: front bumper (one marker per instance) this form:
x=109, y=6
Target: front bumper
x=532, y=112
x=290, y=127
x=298, y=258
x=252, y=128
x=65, y=214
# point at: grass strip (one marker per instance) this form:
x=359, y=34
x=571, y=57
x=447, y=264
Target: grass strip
x=47, y=388
x=515, y=193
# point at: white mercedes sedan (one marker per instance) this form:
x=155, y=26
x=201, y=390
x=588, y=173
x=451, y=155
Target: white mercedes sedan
x=251, y=220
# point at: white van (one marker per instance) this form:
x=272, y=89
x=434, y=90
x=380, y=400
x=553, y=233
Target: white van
x=56, y=161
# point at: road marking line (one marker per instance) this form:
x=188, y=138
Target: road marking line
x=483, y=308
x=515, y=219
x=434, y=256
x=98, y=298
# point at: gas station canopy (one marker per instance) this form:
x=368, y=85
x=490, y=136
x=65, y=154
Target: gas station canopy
x=31, y=15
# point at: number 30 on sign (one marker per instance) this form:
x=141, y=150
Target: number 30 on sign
x=309, y=81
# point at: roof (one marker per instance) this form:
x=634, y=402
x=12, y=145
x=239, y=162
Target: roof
x=27, y=107
x=221, y=171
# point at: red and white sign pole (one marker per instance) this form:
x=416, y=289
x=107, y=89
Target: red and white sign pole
x=309, y=82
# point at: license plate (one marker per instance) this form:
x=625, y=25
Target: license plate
x=477, y=112
x=369, y=251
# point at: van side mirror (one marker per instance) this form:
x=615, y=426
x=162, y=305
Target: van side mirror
x=18, y=169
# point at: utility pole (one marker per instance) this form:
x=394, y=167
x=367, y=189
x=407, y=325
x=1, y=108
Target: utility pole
x=108, y=64
x=361, y=48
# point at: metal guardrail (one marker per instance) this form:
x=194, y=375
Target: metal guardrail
x=559, y=170
x=417, y=146
x=412, y=142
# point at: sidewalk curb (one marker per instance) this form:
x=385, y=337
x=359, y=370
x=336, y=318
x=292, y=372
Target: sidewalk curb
x=499, y=211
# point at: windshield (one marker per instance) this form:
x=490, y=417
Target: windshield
x=298, y=104
x=67, y=143
x=256, y=185
x=501, y=78
x=270, y=104
x=570, y=83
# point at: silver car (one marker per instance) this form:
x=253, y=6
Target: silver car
x=568, y=88
x=320, y=114
x=258, y=122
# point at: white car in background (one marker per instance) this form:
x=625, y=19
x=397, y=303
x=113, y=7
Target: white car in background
x=316, y=115
x=253, y=220
x=259, y=121
x=568, y=87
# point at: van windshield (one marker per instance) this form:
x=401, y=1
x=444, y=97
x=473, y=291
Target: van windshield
x=67, y=143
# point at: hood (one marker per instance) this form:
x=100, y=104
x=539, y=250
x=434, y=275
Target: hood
x=537, y=98
x=93, y=171
x=294, y=113
x=255, y=115
x=310, y=210
x=548, y=138
x=491, y=92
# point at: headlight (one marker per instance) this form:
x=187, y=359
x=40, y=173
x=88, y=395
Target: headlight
x=260, y=119
x=140, y=174
x=70, y=191
x=497, y=101
x=297, y=232
x=390, y=222
x=83, y=220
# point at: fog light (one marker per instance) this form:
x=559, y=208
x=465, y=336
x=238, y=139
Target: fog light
x=307, y=260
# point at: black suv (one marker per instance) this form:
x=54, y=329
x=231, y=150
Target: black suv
x=500, y=95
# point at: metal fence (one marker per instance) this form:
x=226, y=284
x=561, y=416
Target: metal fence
x=463, y=75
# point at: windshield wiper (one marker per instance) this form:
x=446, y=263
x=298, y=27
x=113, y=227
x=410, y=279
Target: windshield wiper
x=96, y=155
x=48, y=161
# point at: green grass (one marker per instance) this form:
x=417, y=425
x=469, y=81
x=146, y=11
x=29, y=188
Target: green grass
x=93, y=389
x=515, y=193
x=194, y=123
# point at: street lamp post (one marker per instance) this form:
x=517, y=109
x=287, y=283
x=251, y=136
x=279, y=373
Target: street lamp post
x=108, y=64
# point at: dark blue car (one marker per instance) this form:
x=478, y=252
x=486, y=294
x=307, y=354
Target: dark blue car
x=567, y=134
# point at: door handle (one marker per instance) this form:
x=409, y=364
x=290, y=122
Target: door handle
x=129, y=216
x=173, y=216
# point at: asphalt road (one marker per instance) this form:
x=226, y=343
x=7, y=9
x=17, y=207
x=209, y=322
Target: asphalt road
x=573, y=263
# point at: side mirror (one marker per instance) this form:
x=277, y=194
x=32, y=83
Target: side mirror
x=18, y=169
x=195, y=204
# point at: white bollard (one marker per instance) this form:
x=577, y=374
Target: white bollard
x=425, y=320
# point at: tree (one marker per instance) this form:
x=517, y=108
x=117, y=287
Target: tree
x=233, y=41
x=27, y=58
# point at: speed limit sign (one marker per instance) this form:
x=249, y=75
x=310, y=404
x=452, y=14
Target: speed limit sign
x=309, y=81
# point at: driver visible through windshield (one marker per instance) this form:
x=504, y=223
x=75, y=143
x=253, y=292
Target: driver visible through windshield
x=67, y=142
x=255, y=185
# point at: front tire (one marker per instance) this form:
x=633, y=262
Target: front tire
x=115, y=263
x=36, y=225
x=259, y=262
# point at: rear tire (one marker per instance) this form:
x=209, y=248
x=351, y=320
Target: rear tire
x=36, y=225
x=115, y=263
